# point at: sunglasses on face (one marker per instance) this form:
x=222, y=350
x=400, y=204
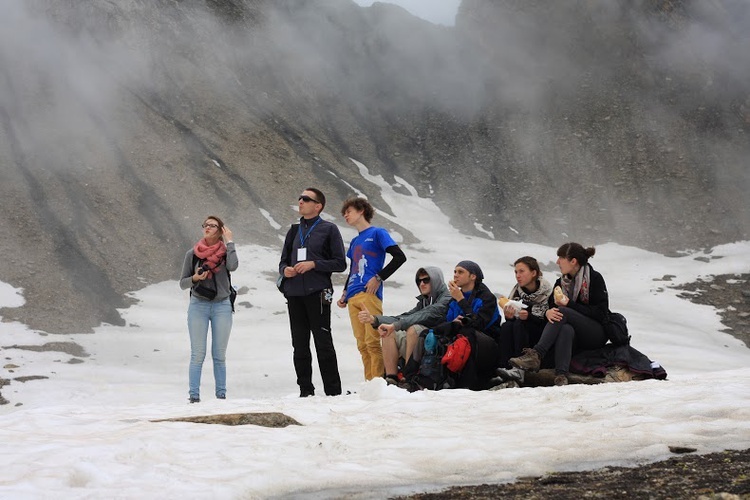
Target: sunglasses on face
x=307, y=199
x=206, y=224
x=424, y=280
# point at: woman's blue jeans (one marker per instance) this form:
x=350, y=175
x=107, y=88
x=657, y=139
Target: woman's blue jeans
x=200, y=314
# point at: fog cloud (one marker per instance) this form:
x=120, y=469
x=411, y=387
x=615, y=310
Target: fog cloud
x=442, y=12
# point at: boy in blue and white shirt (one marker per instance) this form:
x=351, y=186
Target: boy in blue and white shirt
x=364, y=287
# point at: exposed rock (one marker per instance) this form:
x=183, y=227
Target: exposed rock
x=67, y=347
x=123, y=124
x=729, y=299
x=29, y=378
x=271, y=419
x=710, y=476
x=682, y=449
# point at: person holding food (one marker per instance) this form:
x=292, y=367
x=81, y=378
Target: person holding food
x=575, y=315
x=524, y=310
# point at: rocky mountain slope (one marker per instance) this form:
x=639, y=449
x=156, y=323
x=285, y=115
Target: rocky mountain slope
x=123, y=124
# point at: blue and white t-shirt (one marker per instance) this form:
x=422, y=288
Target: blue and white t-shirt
x=367, y=254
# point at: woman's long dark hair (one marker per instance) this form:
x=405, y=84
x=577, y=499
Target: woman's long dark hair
x=577, y=252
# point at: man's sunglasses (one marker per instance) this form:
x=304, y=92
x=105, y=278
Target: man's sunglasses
x=424, y=280
x=307, y=199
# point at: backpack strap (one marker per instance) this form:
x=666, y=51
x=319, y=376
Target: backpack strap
x=290, y=242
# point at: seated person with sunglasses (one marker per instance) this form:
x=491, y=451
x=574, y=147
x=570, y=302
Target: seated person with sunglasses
x=400, y=333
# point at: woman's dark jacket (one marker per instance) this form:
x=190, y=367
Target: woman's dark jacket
x=598, y=306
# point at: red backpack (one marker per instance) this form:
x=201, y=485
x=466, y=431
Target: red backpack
x=457, y=354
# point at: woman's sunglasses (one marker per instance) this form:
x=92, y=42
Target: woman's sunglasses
x=307, y=199
x=424, y=280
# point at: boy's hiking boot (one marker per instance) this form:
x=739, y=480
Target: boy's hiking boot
x=391, y=379
x=529, y=360
x=561, y=379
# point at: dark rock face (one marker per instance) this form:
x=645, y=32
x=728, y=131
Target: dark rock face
x=123, y=124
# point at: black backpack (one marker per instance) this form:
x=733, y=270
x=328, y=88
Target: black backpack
x=616, y=328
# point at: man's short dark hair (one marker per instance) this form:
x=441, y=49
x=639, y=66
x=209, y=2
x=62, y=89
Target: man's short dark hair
x=359, y=204
x=318, y=196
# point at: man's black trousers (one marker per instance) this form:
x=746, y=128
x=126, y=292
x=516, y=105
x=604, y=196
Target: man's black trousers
x=310, y=314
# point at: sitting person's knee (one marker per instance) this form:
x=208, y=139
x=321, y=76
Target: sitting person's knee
x=411, y=333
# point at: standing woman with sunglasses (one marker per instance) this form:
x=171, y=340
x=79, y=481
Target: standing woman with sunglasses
x=206, y=273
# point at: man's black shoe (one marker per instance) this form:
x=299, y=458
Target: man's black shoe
x=304, y=393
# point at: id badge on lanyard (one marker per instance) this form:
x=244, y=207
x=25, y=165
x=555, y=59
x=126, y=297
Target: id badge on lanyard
x=302, y=250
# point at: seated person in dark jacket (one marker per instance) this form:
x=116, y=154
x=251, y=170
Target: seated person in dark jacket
x=577, y=310
x=523, y=326
x=474, y=309
x=400, y=333
x=473, y=303
x=473, y=312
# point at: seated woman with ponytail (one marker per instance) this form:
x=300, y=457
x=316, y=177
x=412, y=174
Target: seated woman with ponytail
x=576, y=312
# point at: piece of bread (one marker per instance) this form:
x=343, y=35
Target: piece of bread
x=502, y=301
x=559, y=295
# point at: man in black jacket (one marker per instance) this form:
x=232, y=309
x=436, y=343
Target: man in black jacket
x=313, y=250
x=474, y=307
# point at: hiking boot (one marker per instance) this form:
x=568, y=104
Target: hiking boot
x=515, y=374
x=529, y=360
x=391, y=379
x=561, y=379
x=221, y=396
x=194, y=399
x=306, y=393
